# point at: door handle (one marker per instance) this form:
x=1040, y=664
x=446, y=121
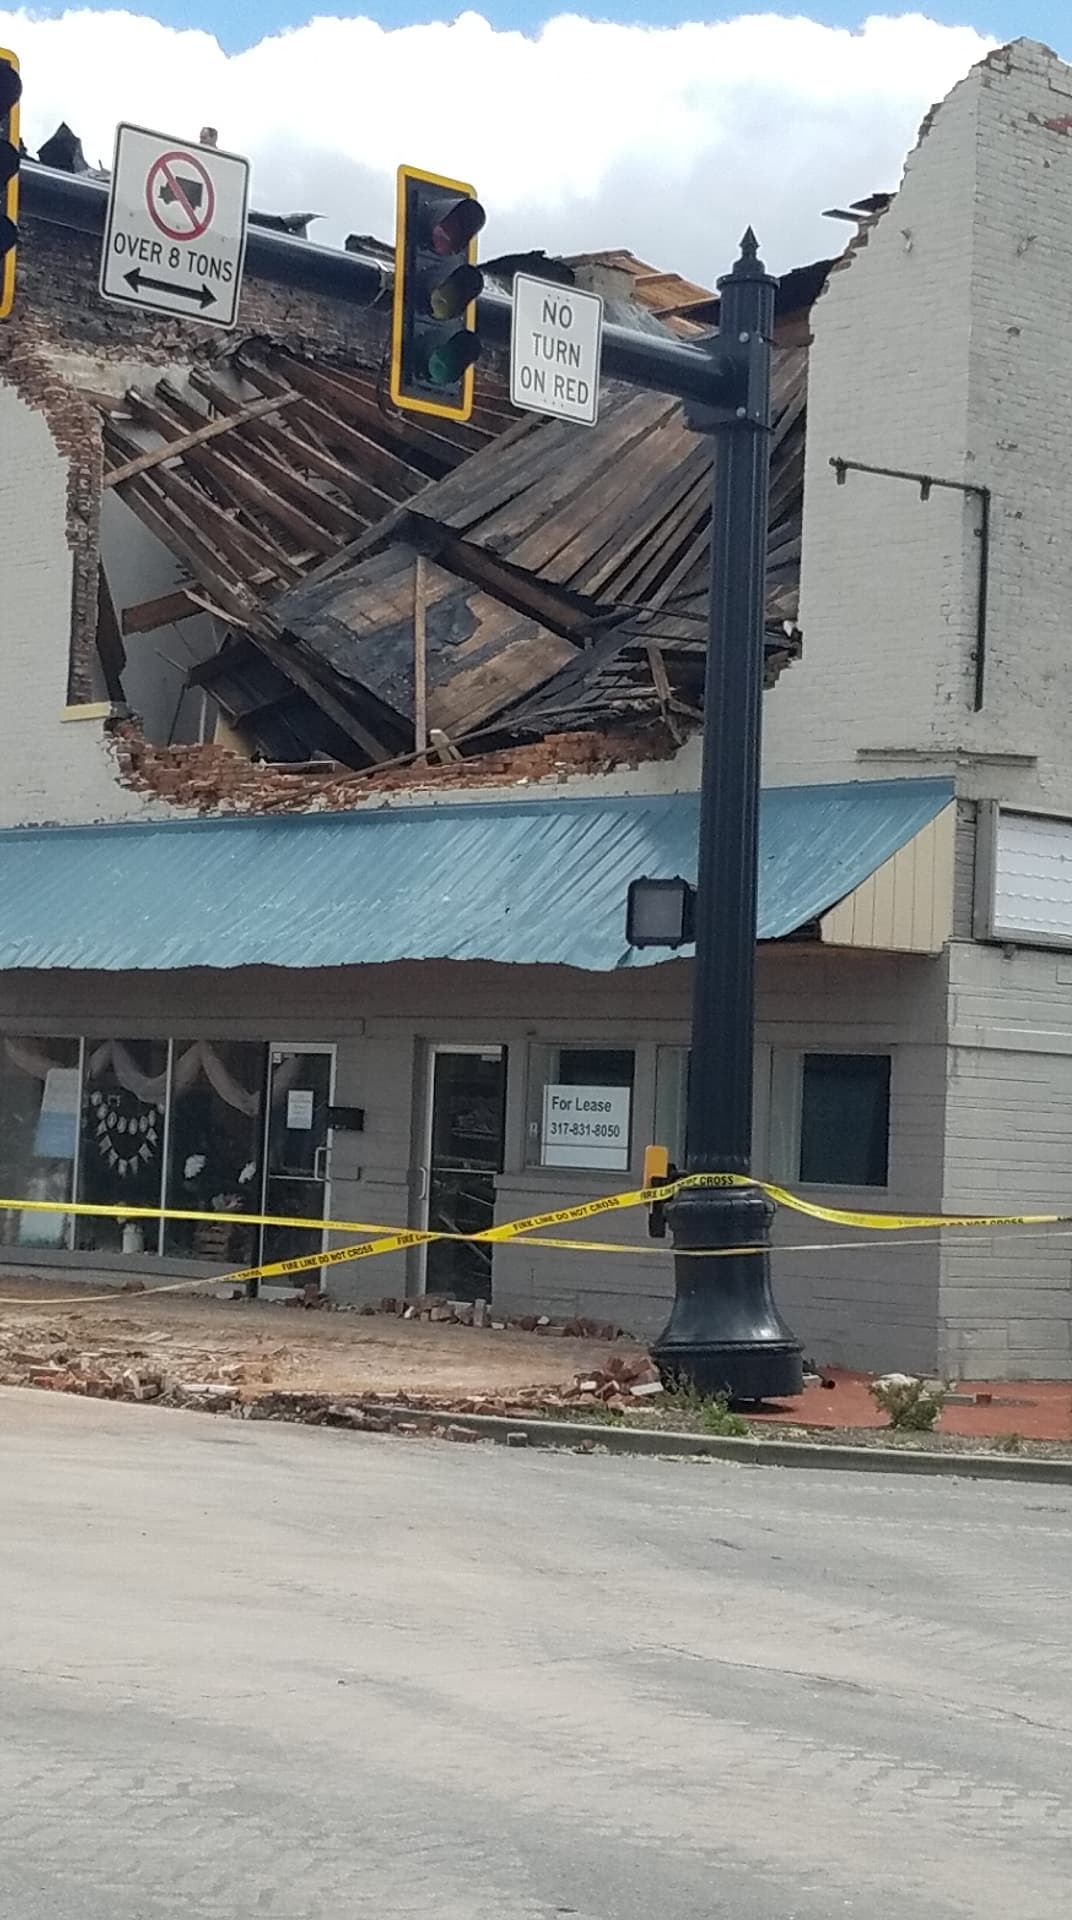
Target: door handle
x=422, y=1189
x=320, y=1163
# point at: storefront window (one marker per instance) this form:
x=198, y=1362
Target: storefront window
x=845, y=1119
x=121, y=1158
x=830, y=1118
x=215, y=1138
x=580, y=1107
x=39, y=1082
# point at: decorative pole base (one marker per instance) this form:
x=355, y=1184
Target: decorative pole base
x=725, y=1334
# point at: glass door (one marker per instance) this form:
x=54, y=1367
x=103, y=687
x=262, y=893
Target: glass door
x=297, y=1155
x=465, y=1150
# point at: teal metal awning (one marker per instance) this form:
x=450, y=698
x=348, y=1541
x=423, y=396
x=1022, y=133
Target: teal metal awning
x=527, y=882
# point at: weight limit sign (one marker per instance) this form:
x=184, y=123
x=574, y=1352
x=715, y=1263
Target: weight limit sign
x=175, y=237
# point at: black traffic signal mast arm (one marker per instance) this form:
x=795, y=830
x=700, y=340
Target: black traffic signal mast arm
x=704, y=374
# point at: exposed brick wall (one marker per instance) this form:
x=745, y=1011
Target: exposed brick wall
x=57, y=285
x=213, y=778
x=74, y=424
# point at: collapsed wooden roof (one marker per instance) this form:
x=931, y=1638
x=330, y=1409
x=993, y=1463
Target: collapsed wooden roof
x=563, y=577
x=551, y=578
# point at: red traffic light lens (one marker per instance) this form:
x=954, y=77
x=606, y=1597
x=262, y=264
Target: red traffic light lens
x=10, y=87
x=461, y=224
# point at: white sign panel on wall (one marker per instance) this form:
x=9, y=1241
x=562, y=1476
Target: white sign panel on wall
x=586, y=1127
x=175, y=236
x=556, y=339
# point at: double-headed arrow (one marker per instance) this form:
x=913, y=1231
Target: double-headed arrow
x=203, y=295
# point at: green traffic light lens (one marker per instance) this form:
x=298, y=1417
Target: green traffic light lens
x=446, y=364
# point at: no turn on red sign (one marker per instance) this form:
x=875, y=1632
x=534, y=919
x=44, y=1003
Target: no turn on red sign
x=175, y=237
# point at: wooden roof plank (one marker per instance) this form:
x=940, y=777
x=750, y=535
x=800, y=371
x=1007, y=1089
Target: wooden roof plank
x=194, y=437
x=247, y=551
x=299, y=446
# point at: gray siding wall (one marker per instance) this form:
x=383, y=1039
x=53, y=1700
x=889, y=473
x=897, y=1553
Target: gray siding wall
x=1006, y=1298
x=864, y=1306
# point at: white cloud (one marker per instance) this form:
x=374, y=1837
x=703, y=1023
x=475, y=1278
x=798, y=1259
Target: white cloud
x=585, y=135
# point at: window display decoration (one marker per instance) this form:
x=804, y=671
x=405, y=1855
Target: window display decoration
x=127, y=1133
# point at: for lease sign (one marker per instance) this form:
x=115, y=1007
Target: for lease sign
x=586, y=1127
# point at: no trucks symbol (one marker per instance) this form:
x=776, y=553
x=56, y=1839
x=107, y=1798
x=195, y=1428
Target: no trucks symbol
x=180, y=196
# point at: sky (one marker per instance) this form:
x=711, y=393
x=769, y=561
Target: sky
x=657, y=125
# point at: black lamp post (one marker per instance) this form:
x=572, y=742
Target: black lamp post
x=725, y=1334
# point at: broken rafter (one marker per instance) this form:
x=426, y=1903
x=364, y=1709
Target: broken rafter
x=165, y=611
x=223, y=490
x=249, y=556
x=278, y=454
x=182, y=443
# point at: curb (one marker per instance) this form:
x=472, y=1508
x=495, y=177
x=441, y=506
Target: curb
x=748, y=1453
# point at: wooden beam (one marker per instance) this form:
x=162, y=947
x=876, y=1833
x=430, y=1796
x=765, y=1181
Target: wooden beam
x=249, y=555
x=444, y=747
x=285, y=656
x=659, y=679
x=165, y=611
x=174, y=530
x=420, y=655
x=196, y=438
x=223, y=492
x=277, y=458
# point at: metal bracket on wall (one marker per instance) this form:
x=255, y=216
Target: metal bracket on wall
x=926, y=482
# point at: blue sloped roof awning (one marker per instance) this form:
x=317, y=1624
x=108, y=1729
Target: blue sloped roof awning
x=527, y=882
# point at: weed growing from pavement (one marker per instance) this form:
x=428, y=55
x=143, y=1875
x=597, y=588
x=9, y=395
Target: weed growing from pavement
x=712, y=1412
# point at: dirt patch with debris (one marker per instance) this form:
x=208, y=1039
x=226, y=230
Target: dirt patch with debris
x=146, y=1346
x=369, y=1371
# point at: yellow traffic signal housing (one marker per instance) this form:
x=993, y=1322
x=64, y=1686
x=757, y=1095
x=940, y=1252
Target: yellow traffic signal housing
x=656, y=1165
x=434, y=342
x=10, y=94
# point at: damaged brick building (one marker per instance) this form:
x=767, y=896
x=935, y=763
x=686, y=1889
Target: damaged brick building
x=331, y=741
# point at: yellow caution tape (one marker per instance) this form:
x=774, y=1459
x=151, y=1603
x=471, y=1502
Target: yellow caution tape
x=385, y=1239
x=556, y=1217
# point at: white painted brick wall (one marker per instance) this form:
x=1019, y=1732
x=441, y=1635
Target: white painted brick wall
x=51, y=769
x=943, y=348
x=887, y=588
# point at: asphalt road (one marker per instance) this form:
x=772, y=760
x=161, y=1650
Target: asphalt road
x=250, y=1671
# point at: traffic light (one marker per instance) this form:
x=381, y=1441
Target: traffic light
x=10, y=93
x=434, y=343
